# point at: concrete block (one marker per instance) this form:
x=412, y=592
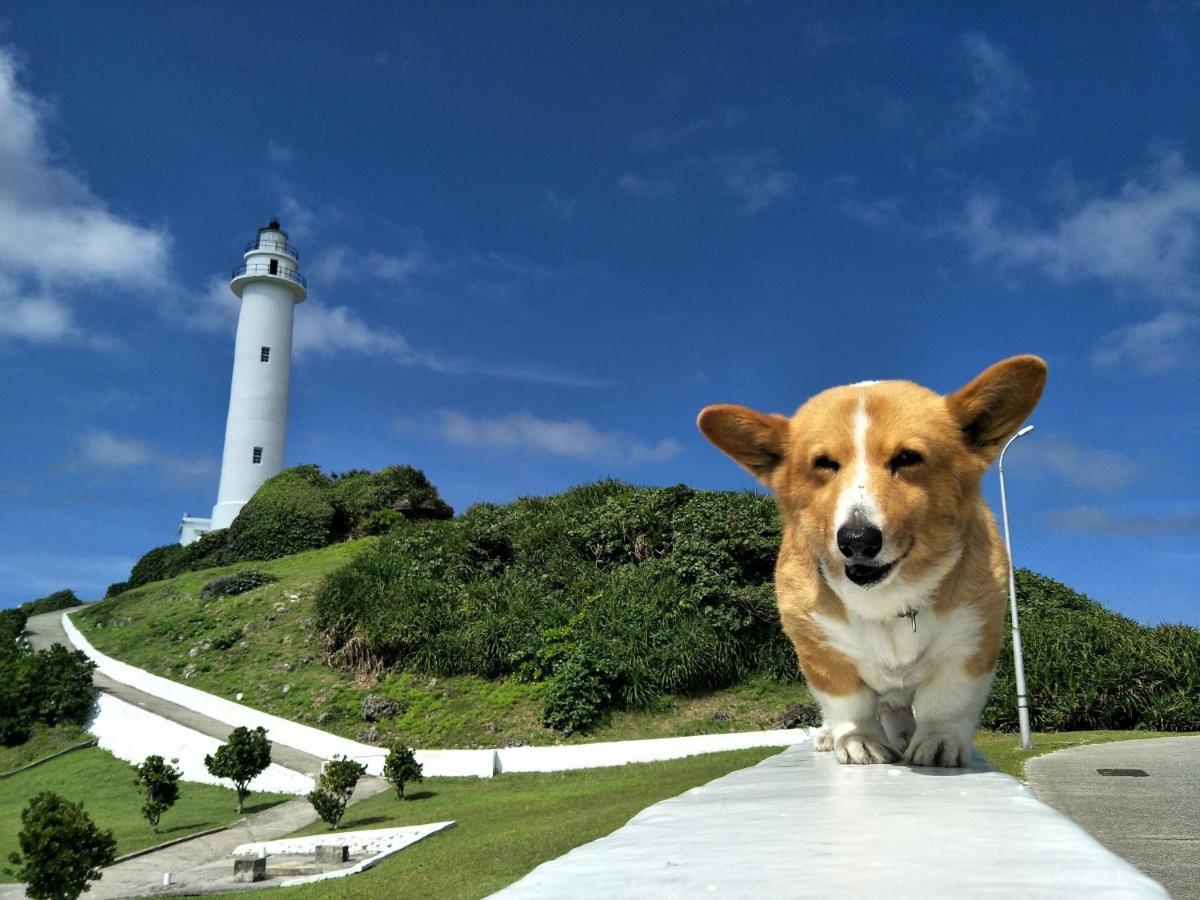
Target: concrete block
x=252, y=869
x=333, y=853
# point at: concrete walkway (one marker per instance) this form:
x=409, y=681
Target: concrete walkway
x=205, y=864
x=1152, y=821
x=46, y=629
x=801, y=825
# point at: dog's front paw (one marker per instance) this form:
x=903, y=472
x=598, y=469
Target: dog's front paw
x=863, y=749
x=938, y=748
x=823, y=740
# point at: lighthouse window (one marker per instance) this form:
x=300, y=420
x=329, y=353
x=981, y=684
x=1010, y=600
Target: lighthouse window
x=257, y=457
x=274, y=267
x=265, y=356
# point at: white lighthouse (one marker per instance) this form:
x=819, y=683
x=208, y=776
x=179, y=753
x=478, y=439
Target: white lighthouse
x=270, y=285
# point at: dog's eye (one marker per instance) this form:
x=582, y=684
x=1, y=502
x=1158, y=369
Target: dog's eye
x=824, y=462
x=904, y=459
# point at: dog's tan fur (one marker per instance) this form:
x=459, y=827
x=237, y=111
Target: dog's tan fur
x=951, y=571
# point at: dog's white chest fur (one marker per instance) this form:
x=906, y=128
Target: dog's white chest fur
x=892, y=658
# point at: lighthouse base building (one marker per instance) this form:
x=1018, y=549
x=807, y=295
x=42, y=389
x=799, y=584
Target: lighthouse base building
x=270, y=285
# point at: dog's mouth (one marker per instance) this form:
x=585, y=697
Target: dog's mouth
x=865, y=575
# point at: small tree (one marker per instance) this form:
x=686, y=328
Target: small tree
x=335, y=787
x=401, y=767
x=62, y=682
x=159, y=780
x=241, y=760
x=61, y=848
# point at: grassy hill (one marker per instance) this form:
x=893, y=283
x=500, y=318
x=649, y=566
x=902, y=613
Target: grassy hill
x=607, y=612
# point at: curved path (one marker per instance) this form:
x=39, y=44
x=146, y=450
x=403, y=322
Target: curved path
x=203, y=864
x=46, y=629
x=1152, y=820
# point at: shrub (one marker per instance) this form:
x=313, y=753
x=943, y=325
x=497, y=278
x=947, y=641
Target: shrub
x=243, y=758
x=18, y=705
x=61, y=684
x=576, y=698
x=237, y=583
x=335, y=787
x=117, y=587
x=159, y=781
x=401, y=768
x=64, y=599
x=1089, y=668
x=291, y=512
x=209, y=550
x=157, y=564
x=62, y=850
x=360, y=496
x=12, y=626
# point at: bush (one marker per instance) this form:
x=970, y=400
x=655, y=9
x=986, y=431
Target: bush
x=401, y=768
x=117, y=587
x=64, y=599
x=612, y=594
x=12, y=626
x=61, y=685
x=237, y=583
x=363, y=499
x=18, y=704
x=243, y=758
x=62, y=850
x=335, y=787
x=1089, y=668
x=159, y=781
x=157, y=564
x=290, y=513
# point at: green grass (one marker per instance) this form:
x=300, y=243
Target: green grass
x=43, y=741
x=1003, y=749
x=274, y=657
x=105, y=786
x=509, y=824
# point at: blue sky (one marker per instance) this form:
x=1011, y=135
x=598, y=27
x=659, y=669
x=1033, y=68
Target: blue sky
x=540, y=237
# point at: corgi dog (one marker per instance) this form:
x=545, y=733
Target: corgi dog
x=892, y=581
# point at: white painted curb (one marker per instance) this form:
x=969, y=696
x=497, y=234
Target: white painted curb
x=480, y=763
x=131, y=733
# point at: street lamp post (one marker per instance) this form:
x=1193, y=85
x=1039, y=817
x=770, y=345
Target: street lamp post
x=1018, y=660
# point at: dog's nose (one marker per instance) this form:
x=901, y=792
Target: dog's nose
x=859, y=538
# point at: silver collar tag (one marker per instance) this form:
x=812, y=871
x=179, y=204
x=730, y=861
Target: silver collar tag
x=911, y=615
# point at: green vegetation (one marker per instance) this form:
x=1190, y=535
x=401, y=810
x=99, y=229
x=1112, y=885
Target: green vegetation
x=159, y=783
x=105, y=786
x=43, y=741
x=1003, y=750
x=335, y=787
x=61, y=848
x=241, y=759
x=299, y=509
x=50, y=686
x=507, y=825
x=602, y=613
x=236, y=583
x=64, y=599
x=401, y=768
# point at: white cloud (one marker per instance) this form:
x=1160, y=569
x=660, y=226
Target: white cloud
x=1144, y=236
x=1098, y=520
x=329, y=264
x=1087, y=467
x=397, y=266
x=647, y=186
x=325, y=330
x=107, y=450
x=280, y=153
x=1165, y=343
x=1001, y=89
x=100, y=449
x=757, y=179
x=56, y=235
x=526, y=433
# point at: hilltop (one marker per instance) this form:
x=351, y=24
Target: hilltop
x=605, y=612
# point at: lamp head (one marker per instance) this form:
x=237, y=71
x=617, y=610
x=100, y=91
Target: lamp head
x=1024, y=431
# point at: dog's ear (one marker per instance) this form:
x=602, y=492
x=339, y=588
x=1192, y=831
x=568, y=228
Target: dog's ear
x=757, y=441
x=996, y=402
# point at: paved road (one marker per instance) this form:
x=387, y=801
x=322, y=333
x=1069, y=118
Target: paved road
x=47, y=629
x=1152, y=821
x=202, y=865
